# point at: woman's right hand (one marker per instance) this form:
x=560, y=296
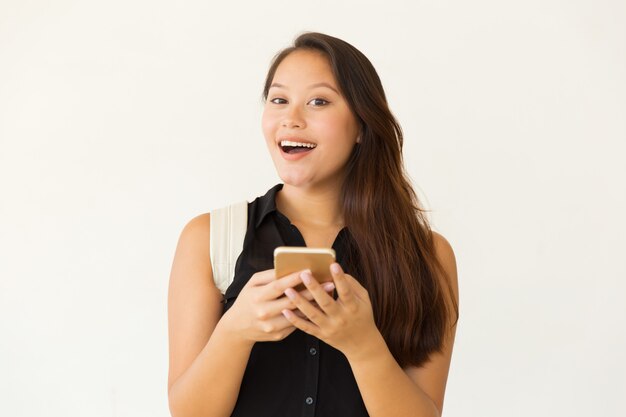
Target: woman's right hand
x=256, y=315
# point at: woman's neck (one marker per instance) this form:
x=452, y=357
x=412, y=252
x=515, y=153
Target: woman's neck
x=317, y=207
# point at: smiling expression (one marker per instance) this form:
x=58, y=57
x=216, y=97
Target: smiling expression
x=305, y=108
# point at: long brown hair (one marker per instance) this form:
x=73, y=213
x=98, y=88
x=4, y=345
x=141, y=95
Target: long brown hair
x=392, y=249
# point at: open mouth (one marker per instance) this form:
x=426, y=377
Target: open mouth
x=296, y=147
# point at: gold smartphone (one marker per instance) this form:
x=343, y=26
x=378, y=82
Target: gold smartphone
x=290, y=259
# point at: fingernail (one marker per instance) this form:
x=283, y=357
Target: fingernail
x=329, y=286
x=289, y=292
x=335, y=268
x=306, y=277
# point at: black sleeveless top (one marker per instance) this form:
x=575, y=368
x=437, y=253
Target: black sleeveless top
x=299, y=376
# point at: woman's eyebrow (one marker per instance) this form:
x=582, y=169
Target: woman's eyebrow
x=278, y=85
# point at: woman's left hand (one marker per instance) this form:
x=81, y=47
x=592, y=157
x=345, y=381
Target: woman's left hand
x=347, y=324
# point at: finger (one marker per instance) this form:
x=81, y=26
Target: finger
x=344, y=288
x=274, y=307
x=263, y=277
x=301, y=323
x=314, y=314
x=275, y=324
x=358, y=288
x=327, y=286
x=277, y=286
x=298, y=313
x=325, y=302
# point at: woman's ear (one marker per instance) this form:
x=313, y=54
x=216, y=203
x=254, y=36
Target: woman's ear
x=358, y=137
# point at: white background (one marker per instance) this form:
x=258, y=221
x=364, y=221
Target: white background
x=122, y=120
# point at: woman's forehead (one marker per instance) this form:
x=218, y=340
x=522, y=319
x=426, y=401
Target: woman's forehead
x=307, y=67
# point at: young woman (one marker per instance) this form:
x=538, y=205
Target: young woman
x=379, y=340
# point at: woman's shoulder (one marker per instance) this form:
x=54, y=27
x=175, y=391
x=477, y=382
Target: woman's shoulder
x=446, y=257
x=199, y=223
x=196, y=232
x=443, y=248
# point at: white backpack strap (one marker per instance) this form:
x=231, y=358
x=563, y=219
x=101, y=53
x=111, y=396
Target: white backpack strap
x=228, y=230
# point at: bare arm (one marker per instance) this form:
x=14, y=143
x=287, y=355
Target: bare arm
x=209, y=352
x=206, y=360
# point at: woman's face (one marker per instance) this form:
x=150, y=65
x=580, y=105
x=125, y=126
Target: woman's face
x=309, y=129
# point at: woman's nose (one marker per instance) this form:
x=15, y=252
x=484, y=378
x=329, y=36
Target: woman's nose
x=293, y=118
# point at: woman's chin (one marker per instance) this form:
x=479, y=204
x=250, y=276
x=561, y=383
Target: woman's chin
x=295, y=180
x=308, y=182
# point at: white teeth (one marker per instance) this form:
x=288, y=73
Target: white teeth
x=290, y=143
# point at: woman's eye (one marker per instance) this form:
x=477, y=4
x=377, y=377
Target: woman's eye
x=318, y=100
